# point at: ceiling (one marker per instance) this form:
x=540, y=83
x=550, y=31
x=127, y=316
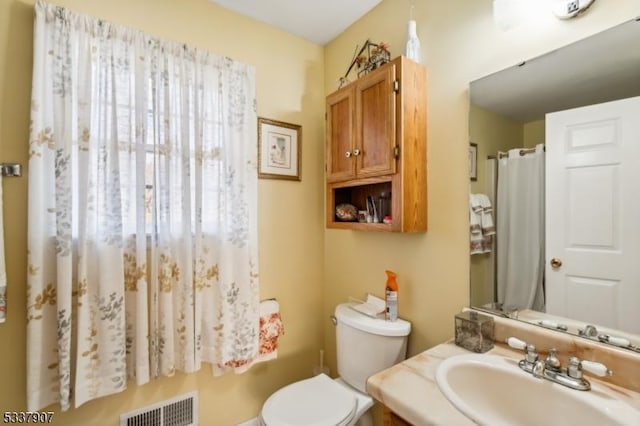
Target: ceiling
x=600, y=68
x=316, y=21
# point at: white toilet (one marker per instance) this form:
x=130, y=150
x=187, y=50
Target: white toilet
x=365, y=346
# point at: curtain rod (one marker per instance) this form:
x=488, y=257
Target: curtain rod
x=523, y=152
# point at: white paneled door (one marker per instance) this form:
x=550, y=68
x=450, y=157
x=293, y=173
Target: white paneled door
x=593, y=214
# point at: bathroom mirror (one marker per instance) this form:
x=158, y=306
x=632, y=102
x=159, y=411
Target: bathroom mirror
x=507, y=115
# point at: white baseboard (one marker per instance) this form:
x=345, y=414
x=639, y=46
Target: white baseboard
x=251, y=422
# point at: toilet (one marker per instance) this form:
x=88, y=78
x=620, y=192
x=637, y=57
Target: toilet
x=365, y=346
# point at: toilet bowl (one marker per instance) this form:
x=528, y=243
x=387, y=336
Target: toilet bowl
x=365, y=346
x=318, y=401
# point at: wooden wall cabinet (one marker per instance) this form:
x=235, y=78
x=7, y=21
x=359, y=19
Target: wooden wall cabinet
x=377, y=146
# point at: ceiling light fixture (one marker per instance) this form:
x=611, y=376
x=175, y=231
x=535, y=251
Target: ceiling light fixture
x=566, y=9
x=508, y=14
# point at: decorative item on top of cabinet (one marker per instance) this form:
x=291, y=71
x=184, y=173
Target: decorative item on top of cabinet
x=376, y=56
x=377, y=147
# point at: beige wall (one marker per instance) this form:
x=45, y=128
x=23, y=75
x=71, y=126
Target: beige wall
x=460, y=43
x=492, y=133
x=534, y=133
x=290, y=87
x=301, y=263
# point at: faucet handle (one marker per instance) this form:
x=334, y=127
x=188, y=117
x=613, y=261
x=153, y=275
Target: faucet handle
x=516, y=343
x=576, y=367
x=596, y=368
x=531, y=354
x=616, y=341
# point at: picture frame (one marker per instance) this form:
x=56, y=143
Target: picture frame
x=279, y=150
x=473, y=161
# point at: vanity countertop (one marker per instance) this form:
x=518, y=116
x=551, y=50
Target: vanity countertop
x=409, y=388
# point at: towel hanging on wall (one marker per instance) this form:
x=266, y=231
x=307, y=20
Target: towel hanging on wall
x=481, y=224
x=271, y=329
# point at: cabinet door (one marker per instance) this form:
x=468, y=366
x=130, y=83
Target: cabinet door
x=376, y=123
x=340, y=141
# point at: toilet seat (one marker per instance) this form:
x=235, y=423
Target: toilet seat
x=318, y=401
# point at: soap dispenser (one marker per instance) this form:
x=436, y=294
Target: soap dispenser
x=413, y=42
x=391, y=296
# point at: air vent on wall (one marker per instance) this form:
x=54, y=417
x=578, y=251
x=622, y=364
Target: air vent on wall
x=179, y=411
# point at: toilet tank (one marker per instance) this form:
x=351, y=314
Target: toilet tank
x=367, y=345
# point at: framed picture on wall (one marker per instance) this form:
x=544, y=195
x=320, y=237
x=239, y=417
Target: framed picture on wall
x=473, y=161
x=279, y=149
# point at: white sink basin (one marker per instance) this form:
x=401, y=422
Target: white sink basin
x=492, y=390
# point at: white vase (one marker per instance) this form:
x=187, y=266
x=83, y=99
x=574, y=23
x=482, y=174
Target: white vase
x=413, y=43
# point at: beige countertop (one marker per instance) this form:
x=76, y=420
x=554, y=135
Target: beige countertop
x=409, y=389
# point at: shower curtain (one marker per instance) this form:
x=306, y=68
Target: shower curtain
x=520, y=230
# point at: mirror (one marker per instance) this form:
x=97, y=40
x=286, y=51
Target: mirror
x=507, y=119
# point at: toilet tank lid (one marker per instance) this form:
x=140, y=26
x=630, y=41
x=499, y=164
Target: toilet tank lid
x=368, y=324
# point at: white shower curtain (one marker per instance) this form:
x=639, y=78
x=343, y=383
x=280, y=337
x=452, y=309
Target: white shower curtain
x=142, y=210
x=520, y=230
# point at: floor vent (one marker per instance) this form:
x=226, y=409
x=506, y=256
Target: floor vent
x=179, y=411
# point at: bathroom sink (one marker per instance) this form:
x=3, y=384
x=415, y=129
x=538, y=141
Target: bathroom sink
x=493, y=390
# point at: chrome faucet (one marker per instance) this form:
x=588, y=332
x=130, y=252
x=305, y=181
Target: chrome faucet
x=551, y=369
x=588, y=331
x=538, y=369
x=550, y=364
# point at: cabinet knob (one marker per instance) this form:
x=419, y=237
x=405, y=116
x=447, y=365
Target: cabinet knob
x=356, y=152
x=347, y=154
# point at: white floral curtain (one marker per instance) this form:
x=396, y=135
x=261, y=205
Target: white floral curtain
x=142, y=210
